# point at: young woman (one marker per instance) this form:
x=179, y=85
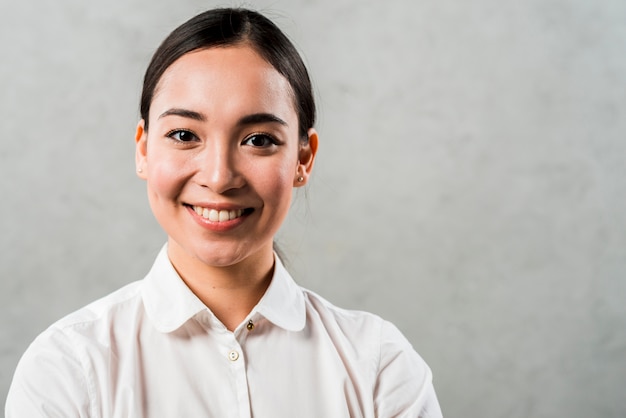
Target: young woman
x=218, y=328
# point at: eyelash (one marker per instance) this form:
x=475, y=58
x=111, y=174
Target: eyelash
x=175, y=132
x=270, y=138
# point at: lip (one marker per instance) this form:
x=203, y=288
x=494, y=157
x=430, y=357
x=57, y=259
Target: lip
x=219, y=226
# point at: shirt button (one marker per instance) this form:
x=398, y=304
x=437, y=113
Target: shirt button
x=233, y=355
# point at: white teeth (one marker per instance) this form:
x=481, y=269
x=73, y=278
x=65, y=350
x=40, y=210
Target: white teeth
x=217, y=215
x=224, y=215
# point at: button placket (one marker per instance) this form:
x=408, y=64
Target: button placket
x=237, y=366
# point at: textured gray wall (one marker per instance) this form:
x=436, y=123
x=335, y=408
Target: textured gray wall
x=471, y=184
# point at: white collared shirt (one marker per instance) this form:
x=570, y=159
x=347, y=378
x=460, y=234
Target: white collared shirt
x=153, y=349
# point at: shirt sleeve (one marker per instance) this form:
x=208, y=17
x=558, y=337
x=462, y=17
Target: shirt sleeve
x=404, y=386
x=49, y=381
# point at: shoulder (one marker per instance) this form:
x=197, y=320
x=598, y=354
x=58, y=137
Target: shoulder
x=353, y=322
x=92, y=328
x=101, y=309
x=401, y=379
x=364, y=330
x=54, y=373
x=91, y=320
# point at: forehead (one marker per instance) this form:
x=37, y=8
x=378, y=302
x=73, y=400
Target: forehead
x=222, y=80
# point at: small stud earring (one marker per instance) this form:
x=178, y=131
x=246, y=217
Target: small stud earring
x=139, y=170
x=300, y=179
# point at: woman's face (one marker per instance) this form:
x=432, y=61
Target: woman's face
x=222, y=155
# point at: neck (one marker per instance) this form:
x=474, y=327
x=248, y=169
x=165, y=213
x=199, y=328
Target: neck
x=231, y=291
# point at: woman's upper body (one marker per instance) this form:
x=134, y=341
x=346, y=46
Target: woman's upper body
x=226, y=134
x=153, y=349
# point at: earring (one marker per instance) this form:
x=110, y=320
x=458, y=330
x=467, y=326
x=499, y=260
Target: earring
x=300, y=179
x=139, y=170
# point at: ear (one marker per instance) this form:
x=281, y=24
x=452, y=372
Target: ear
x=141, y=150
x=306, y=158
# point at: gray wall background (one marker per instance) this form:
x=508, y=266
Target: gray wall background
x=470, y=186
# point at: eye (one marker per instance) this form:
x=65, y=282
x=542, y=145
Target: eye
x=182, y=135
x=260, y=141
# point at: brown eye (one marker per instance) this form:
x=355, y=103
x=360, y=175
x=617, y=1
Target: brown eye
x=182, y=135
x=259, y=141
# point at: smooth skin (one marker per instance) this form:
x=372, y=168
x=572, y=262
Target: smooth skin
x=223, y=135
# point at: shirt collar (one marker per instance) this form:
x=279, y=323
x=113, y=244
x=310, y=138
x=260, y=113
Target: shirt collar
x=169, y=303
x=283, y=302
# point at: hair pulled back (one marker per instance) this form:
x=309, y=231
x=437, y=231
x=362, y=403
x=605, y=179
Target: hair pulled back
x=229, y=27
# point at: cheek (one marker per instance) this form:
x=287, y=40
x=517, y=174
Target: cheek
x=278, y=184
x=166, y=175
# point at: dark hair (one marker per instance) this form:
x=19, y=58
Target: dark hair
x=235, y=26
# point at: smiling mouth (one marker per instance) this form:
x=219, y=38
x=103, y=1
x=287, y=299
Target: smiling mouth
x=214, y=215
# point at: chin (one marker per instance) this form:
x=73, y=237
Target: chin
x=219, y=254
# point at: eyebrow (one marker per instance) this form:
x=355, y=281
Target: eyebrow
x=261, y=118
x=185, y=113
x=252, y=119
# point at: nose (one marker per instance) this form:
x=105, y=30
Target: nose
x=218, y=169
